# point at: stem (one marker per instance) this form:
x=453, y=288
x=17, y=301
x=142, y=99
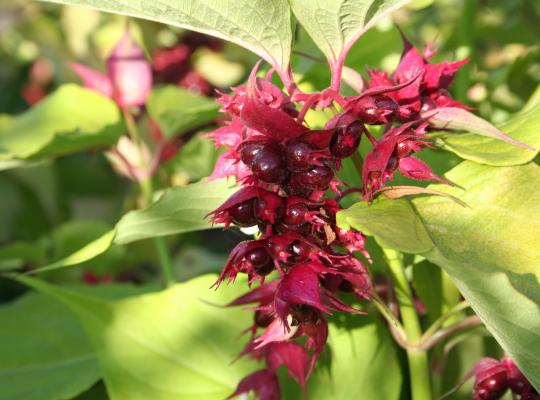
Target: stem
x=147, y=189
x=467, y=323
x=418, y=360
x=395, y=326
x=465, y=38
x=165, y=261
x=440, y=321
x=358, y=161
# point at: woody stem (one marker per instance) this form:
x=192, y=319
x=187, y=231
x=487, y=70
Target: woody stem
x=417, y=358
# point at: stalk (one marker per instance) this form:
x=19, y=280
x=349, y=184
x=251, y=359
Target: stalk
x=465, y=35
x=147, y=189
x=417, y=358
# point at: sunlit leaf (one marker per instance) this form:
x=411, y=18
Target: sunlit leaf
x=180, y=209
x=178, y=110
x=261, y=26
x=524, y=127
x=334, y=25
x=172, y=344
x=490, y=248
x=69, y=120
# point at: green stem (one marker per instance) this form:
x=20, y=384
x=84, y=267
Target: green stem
x=441, y=320
x=418, y=360
x=465, y=38
x=147, y=189
x=165, y=261
x=358, y=161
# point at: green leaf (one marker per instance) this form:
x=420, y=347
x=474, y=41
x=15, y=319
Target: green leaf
x=523, y=127
x=490, y=249
x=45, y=353
x=172, y=344
x=180, y=209
x=334, y=25
x=393, y=223
x=361, y=362
x=196, y=160
x=69, y=120
x=261, y=26
x=178, y=110
x=85, y=253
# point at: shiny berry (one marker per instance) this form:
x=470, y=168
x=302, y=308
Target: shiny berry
x=268, y=165
x=248, y=150
x=297, y=156
x=316, y=178
x=346, y=140
x=295, y=214
x=403, y=149
x=243, y=214
x=492, y=387
x=300, y=251
x=261, y=260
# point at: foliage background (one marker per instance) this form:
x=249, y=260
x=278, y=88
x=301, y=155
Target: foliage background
x=52, y=208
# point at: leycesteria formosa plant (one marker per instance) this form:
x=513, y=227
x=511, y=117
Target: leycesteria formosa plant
x=291, y=192
x=330, y=257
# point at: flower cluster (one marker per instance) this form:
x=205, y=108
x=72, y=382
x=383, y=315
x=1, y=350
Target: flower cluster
x=493, y=378
x=173, y=65
x=286, y=170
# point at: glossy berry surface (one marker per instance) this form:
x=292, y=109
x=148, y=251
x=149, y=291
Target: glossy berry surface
x=261, y=260
x=297, y=156
x=492, y=387
x=295, y=214
x=248, y=150
x=243, y=214
x=300, y=251
x=268, y=165
x=346, y=140
x=316, y=178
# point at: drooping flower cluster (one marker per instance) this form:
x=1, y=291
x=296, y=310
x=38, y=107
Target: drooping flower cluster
x=493, y=378
x=286, y=170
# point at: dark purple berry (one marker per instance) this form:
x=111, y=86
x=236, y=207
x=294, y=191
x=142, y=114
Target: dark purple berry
x=248, y=150
x=403, y=149
x=316, y=178
x=300, y=251
x=261, y=260
x=295, y=214
x=492, y=387
x=346, y=140
x=243, y=214
x=268, y=164
x=297, y=156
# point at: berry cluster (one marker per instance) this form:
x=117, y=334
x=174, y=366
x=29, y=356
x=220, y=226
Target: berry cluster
x=493, y=378
x=286, y=170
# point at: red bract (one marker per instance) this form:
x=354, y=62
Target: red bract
x=129, y=77
x=264, y=383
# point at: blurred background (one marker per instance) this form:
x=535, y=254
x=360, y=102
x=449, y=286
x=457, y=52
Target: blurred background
x=52, y=208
